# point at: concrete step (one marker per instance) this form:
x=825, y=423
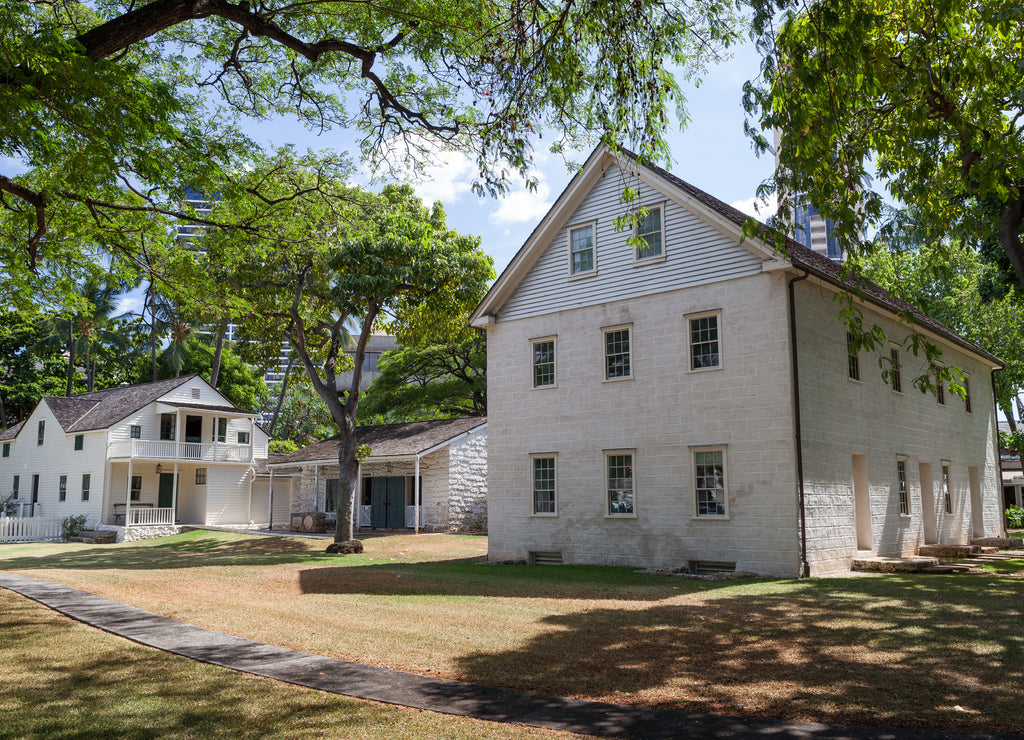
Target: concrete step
x=1000, y=542
x=911, y=564
x=948, y=551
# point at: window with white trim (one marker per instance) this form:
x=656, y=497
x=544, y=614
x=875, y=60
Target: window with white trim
x=86, y=485
x=220, y=433
x=947, y=494
x=895, y=377
x=901, y=486
x=200, y=476
x=7, y=449
x=135, y=431
x=940, y=391
x=15, y=484
x=709, y=483
x=41, y=432
x=79, y=442
x=852, y=357
x=544, y=484
x=136, y=487
x=620, y=491
x=62, y=490
x=543, y=363
x=243, y=438
x=616, y=354
x=704, y=342
x=650, y=232
x=581, y=250
x=168, y=422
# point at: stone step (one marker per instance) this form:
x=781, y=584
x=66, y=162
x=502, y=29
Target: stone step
x=911, y=564
x=1000, y=542
x=948, y=551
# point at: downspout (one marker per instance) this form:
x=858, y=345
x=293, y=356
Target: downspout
x=805, y=567
x=999, y=466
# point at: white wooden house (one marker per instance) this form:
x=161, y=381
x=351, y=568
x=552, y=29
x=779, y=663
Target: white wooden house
x=142, y=459
x=673, y=395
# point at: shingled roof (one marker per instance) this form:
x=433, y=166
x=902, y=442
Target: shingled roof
x=818, y=264
x=389, y=440
x=11, y=432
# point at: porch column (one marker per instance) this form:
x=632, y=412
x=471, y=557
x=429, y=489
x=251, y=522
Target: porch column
x=416, y=495
x=270, y=504
x=108, y=474
x=174, y=495
x=248, y=516
x=128, y=496
x=216, y=434
x=177, y=434
x=252, y=438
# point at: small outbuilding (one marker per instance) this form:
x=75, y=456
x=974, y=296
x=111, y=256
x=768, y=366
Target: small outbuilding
x=421, y=475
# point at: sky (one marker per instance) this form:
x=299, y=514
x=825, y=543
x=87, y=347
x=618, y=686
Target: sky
x=712, y=153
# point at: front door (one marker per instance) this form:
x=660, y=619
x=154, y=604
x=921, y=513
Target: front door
x=165, y=497
x=193, y=429
x=387, y=503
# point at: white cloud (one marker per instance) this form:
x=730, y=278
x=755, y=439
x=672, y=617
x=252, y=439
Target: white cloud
x=757, y=208
x=447, y=180
x=521, y=205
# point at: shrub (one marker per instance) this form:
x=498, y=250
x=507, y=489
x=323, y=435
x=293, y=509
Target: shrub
x=71, y=526
x=1015, y=517
x=8, y=506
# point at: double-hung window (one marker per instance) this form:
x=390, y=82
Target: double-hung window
x=705, y=344
x=86, y=484
x=79, y=442
x=581, y=250
x=7, y=449
x=220, y=433
x=136, y=487
x=167, y=426
x=243, y=438
x=901, y=486
x=709, y=483
x=620, y=491
x=15, y=484
x=940, y=391
x=62, y=491
x=947, y=495
x=967, y=395
x=617, y=362
x=852, y=357
x=650, y=234
x=41, y=431
x=200, y=476
x=895, y=376
x=544, y=484
x=543, y=362
x=135, y=431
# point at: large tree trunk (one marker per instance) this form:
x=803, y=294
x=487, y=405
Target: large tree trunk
x=280, y=397
x=1009, y=235
x=348, y=481
x=217, y=353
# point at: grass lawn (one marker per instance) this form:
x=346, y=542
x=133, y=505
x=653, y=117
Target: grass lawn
x=939, y=652
x=64, y=680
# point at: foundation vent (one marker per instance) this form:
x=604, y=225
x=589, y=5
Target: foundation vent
x=710, y=567
x=546, y=558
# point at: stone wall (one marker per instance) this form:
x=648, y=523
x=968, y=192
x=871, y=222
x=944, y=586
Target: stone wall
x=467, y=483
x=134, y=534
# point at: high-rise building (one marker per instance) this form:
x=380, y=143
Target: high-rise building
x=810, y=228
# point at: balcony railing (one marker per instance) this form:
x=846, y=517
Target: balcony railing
x=151, y=449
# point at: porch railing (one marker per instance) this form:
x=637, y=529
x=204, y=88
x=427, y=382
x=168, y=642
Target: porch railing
x=150, y=516
x=150, y=449
x=29, y=528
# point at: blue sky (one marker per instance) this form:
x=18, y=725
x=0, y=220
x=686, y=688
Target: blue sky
x=711, y=153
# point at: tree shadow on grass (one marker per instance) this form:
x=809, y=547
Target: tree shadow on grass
x=180, y=551
x=932, y=652
x=477, y=577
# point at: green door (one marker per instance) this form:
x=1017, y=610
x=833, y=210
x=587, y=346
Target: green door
x=387, y=503
x=165, y=498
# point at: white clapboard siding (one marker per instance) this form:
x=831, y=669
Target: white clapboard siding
x=227, y=495
x=696, y=254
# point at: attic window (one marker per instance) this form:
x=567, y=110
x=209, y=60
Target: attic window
x=195, y=393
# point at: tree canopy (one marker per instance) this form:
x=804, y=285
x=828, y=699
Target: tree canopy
x=115, y=110
x=926, y=95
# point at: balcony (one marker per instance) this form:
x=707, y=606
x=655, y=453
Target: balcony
x=148, y=449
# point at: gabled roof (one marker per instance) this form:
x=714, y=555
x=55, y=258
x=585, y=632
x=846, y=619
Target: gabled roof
x=86, y=412
x=389, y=440
x=795, y=253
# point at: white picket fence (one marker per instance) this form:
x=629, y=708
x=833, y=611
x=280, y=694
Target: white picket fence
x=29, y=529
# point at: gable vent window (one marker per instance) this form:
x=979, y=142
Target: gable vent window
x=195, y=393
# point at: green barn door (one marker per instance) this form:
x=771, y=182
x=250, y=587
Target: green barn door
x=165, y=497
x=387, y=503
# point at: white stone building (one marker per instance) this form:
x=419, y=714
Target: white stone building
x=186, y=454
x=422, y=475
x=674, y=395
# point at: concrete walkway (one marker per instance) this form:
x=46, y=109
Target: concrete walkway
x=423, y=692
